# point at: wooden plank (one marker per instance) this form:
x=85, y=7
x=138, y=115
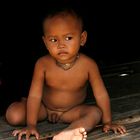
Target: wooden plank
x=133, y=129
x=132, y=124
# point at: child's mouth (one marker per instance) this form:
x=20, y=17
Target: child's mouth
x=62, y=53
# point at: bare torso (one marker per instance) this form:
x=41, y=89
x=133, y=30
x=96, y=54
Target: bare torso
x=64, y=89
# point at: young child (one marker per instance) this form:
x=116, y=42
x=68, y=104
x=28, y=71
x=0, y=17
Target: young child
x=59, y=83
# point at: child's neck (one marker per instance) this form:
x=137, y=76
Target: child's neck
x=67, y=66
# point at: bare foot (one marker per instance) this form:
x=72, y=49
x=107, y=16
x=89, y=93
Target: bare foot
x=73, y=134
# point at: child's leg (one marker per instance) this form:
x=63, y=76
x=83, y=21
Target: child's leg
x=16, y=113
x=86, y=116
x=82, y=119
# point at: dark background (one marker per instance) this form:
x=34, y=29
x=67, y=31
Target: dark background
x=113, y=38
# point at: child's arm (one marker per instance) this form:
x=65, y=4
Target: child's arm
x=35, y=94
x=33, y=103
x=100, y=92
x=102, y=99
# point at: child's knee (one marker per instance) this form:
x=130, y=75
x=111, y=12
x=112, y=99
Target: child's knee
x=15, y=113
x=95, y=112
x=98, y=110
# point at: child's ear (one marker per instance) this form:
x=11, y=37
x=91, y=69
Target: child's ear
x=83, y=38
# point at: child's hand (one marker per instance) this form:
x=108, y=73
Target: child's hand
x=115, y=128
x=28, y=131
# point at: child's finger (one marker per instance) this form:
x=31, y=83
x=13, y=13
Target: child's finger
x=115, y=130
x=36, y=134
x=15, y=132
x=21, y=134
x=122, y=129
x=105, y=130
x=27, y=136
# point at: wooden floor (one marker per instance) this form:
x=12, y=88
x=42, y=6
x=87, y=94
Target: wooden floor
x=125, y=102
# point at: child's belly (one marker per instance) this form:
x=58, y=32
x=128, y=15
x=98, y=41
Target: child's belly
x=63, y=101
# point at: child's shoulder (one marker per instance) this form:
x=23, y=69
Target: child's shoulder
x=87, y=59
x=42, y=61
x=90, y=64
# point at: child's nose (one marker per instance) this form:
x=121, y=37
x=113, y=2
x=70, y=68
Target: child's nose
x=61, y=44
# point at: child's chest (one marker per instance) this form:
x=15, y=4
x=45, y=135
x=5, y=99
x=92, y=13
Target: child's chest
x=66, y=79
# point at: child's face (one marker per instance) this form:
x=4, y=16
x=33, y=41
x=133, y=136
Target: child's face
x=63, y=37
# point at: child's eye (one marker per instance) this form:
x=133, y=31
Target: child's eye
x=68, y=38
x=53, y=40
